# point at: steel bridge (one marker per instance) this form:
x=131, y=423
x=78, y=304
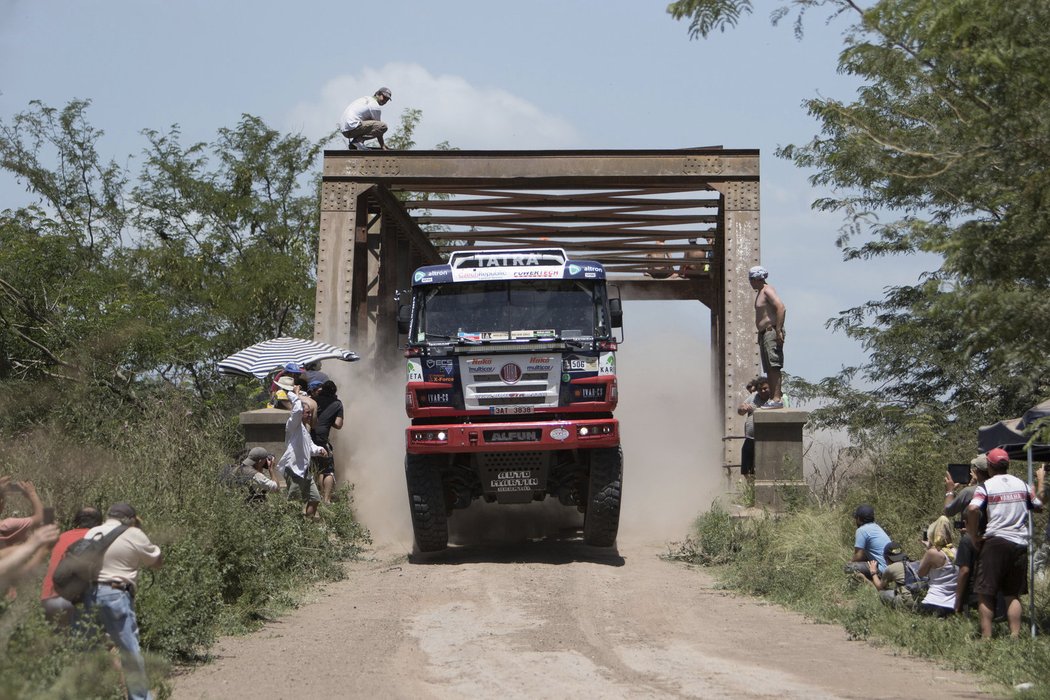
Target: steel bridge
x=666, y=224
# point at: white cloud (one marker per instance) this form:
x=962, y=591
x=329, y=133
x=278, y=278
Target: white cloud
x=454, y=110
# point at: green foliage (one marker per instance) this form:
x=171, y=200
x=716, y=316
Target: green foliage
x=705, y=16
x=228, y=564
x=945, y=151
x=717, y=537
x=118, y=283
x=797, y=560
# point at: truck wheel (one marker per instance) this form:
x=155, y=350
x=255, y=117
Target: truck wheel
x=602, y=517
x=426, y=498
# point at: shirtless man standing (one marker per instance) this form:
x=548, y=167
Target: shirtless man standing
x=769, y=319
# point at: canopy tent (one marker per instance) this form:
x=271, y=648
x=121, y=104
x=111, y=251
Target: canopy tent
x=263, y=358
x=1010, y=435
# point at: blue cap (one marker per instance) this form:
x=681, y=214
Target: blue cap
x=314, y=385
x=293, y=368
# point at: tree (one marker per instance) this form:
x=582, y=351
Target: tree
x=945, y=150
x=138, y=282
x=212, y=249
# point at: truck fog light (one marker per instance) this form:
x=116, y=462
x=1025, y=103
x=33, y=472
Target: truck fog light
x=583, y=431
x=441, y=435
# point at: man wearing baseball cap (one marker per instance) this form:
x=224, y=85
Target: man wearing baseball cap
x=770, y=313
x=361, y=120
x=111, y=601
x=869, y=543
x=1002, y=550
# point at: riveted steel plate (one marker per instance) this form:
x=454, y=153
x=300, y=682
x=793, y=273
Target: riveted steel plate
x=371, y=167
x=704, y=165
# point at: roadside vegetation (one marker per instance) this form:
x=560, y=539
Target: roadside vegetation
x=796, y=558
x=121, y=286
x=228, y=565
x=944, y=150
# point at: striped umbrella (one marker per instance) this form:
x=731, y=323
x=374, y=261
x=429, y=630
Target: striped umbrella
x=262, y=358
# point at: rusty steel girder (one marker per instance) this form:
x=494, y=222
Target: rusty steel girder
x=666, y=224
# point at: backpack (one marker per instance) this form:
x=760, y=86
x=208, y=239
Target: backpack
x=915, y=584
x=79, y=567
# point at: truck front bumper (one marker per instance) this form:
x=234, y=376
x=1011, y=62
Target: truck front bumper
x=512, y=437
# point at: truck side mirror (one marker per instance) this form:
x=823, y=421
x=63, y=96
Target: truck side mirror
x=616, y=312
x=404, y=315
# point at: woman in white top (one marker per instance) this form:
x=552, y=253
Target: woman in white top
x=937, y=565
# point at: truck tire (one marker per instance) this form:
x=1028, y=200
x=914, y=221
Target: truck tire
x=601, y=520
x=426, y=498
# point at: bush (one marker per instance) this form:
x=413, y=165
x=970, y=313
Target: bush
x=228, y=563
x=797, y=559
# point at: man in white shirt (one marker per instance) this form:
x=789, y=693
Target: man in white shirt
x=111, y=601
x=361, y=119
x=1002, y=551
x=294, y=464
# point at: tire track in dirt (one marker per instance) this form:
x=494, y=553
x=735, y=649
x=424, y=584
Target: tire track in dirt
x=550, y=619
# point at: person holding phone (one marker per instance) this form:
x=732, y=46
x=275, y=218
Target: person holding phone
x=16, y=530
x=955, y=503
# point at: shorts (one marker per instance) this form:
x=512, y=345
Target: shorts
x=1002, y=568
x=325, y=466
x=747, y=457
x=298, y=484
x=771, y=351
x=369, y=127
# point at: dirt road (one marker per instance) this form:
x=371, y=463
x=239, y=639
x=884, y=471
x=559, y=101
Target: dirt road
x=550, y=619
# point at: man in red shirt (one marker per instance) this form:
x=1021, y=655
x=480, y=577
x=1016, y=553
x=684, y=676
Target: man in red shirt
x=57, y=609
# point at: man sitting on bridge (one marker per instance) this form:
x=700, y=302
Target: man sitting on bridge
x=361, y=120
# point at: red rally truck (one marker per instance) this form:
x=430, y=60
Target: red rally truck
x=511, y=389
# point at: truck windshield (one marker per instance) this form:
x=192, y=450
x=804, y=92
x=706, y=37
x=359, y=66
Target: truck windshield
x=512, y=310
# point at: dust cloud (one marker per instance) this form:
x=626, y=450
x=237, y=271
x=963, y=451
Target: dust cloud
x=373, y=442
x=671, y=440
x=671, y=435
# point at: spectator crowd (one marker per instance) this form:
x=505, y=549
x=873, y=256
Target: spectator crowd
x=977, y=562
x=90, y=572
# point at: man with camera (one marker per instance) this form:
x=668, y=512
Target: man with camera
x=261, y=479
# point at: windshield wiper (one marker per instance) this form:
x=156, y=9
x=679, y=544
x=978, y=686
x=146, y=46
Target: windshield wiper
x=557, y=337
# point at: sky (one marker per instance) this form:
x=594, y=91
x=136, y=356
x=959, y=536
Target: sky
x=619, y=74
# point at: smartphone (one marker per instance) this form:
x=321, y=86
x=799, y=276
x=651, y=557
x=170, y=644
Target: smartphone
x=49, y=515
x=960, y=473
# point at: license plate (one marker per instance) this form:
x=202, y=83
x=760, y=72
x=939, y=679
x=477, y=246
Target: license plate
x=510, y=410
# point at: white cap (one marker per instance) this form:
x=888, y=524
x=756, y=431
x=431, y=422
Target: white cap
x=758, y=271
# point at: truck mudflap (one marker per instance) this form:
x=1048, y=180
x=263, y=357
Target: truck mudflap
x=512, y=437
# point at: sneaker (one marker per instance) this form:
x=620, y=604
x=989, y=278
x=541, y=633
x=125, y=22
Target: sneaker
x=773, y=404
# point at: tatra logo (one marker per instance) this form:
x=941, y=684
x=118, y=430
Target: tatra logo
x=508, y=260
x=510, y=373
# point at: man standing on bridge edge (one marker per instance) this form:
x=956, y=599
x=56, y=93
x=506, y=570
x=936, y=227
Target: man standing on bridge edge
x=770, y=313
x=361, y=120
